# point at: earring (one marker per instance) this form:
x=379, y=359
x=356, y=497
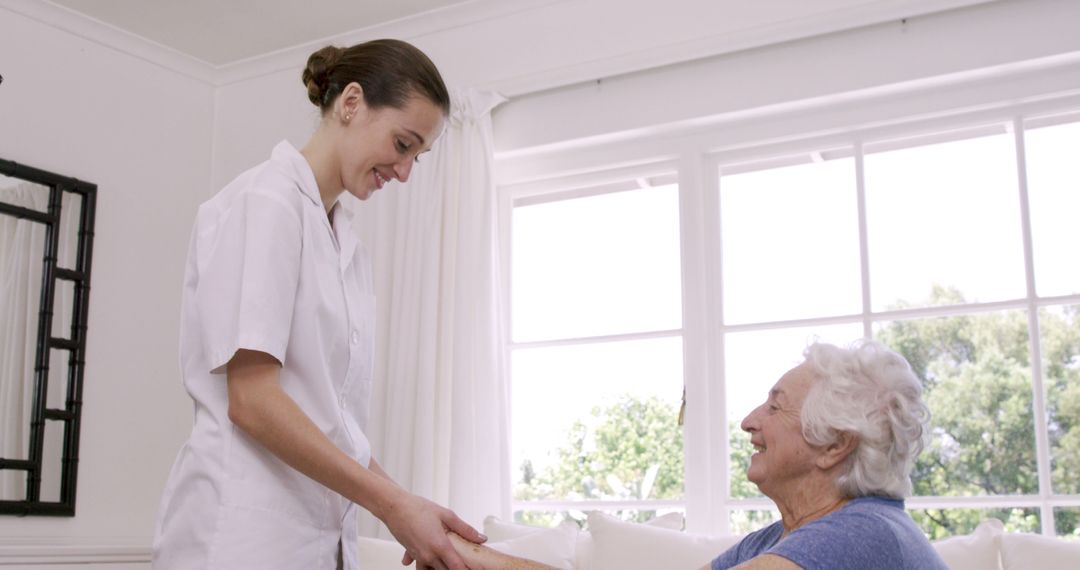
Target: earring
x=347, y=117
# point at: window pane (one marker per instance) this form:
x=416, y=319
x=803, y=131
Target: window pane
x=976, y=374
x=745, y=522
x=944, y=216
x=943, y=523
x=1059, y=328
x=645, y=515
x=790, y=243
x=1067, y=522
x=554, y=518
x=597, y=265
x=598, y=421
x=753, y=362
x=550, y=519
x=1053, y=174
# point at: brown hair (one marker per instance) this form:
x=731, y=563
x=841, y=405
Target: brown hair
x=388, y=71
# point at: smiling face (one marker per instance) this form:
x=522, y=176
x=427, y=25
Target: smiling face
x=382, y=144
x=783, y=458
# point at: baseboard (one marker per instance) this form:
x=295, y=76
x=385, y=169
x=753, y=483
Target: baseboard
x=64, y=550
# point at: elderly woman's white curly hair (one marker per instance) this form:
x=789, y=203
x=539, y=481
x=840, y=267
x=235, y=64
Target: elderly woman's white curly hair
x=869, y=391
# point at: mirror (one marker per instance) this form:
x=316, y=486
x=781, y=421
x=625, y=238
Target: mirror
x=46, y=239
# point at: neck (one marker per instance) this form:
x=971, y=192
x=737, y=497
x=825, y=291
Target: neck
x=319, y=152
x=807, y=504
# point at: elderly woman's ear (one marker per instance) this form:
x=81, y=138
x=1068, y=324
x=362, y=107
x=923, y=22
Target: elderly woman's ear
x=836, y=452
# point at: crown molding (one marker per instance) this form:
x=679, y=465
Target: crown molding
x=870, y=13
x=409, y=28
x=111, y=37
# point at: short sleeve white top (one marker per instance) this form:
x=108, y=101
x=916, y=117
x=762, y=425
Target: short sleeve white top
x=268, y=271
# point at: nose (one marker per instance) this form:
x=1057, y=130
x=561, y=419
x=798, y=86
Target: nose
x=749, y=423
x=403, y=168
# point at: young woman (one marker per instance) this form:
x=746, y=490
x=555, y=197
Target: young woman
x=277, y=339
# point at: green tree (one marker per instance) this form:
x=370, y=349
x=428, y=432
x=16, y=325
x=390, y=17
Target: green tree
x=1060, y=335
x=976, y=374
x=741, y=487
x=741, y=450
x=633, y=449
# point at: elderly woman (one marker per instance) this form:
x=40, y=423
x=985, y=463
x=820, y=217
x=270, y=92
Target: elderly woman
x=835, y=443
x=836, y=440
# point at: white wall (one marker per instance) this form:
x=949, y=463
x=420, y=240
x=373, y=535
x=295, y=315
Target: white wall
x=141, y=133
x=254, y=115
x=959, y=45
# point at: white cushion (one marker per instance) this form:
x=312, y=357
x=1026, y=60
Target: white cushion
x=583, y=559
x=554, y=546
x=619, y=545
x=1024, y=551
x=674, y=521
x=551, y=546
x=976, y=551
x=378, y=554
x=498, y=530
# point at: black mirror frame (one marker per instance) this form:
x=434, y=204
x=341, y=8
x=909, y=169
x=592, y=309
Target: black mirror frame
x=75, y=344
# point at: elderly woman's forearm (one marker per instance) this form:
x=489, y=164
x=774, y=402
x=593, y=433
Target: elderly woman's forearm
x=480, y=557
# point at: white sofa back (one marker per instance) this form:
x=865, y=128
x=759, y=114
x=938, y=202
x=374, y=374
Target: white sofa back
x=612, y=544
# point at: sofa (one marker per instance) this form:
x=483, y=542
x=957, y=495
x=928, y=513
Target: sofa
x=612, y=544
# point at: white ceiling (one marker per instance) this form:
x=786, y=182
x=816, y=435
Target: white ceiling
x=221, y=32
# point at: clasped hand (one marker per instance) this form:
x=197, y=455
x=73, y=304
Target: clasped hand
x=421, y=526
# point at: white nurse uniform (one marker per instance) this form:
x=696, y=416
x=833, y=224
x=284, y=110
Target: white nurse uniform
x=268, y=271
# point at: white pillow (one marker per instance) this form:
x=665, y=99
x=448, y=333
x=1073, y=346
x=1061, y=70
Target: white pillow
x=674, y=521
x=976, y=551
x=619, y=545
x=551, y=546
x=498, y=530
x=1025, y=551
x=584, y=556
x=378, y=554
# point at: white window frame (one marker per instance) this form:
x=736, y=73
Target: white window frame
x=698, y=155
x=661, y=173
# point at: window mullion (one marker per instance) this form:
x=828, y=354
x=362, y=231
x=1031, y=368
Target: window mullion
x=697, y=430
x=718, y=454
x=864, y=242
x=1042, y=439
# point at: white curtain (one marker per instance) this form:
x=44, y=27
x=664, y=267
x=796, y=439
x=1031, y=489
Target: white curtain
x=439, y=413
x=22, y=246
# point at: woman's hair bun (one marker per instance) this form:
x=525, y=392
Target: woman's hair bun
x=316, y=76
x=388, y=72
